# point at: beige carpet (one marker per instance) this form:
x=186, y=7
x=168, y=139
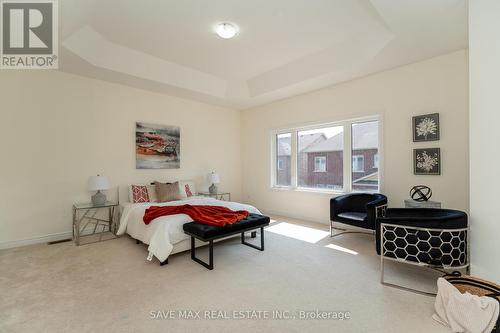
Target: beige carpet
x=109, y=287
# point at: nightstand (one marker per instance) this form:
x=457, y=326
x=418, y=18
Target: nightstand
x=224, y=196
x=87, y=214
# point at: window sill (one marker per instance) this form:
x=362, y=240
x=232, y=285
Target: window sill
x=318, y=191
x=307, y=190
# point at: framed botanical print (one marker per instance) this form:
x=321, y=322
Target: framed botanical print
x=426, y=127
x=427, y=161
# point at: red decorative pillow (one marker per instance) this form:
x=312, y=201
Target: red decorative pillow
x=140, y=193
x=188, y=191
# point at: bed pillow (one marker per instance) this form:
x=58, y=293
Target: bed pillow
x=150, y=189
x=152, y=193
x=187, y=188
x=167, y=192
x=139, y=193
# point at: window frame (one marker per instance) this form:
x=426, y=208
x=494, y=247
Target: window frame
x=274, y=163
x=347, y=154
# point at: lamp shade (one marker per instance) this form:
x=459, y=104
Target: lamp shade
x=97, y=183
x=214, y=178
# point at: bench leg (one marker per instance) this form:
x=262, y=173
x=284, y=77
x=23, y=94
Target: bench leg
x=163, y=263
x=261, y=248
x=210, y=264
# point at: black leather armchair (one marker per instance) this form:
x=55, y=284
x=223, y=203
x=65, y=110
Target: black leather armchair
x=357, y=209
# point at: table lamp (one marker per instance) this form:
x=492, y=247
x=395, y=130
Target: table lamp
x=215, y=179
x=98, y=183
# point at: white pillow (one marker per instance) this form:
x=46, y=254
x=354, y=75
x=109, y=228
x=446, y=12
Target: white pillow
x=185, y=186
x=152, y=193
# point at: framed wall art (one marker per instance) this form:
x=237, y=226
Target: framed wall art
x=157, y=146
x=427, y=161
x=426, y=127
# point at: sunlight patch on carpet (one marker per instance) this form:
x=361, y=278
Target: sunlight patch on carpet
x=340, y=248
x=302, y=233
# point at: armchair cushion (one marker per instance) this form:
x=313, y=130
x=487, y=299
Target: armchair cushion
x=353, y=216
x=358, y=209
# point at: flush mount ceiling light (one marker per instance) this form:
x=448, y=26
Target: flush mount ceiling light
x=226, y=30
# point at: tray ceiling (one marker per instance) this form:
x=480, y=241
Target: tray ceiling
x=283, y=48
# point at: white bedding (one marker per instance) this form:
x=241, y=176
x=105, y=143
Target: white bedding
x=166, y=231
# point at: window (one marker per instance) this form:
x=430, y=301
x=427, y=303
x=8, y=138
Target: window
x=358, y=163
x=364, y=141
x=320, y=164
x=330, y=157
x=281, y=164
x=283, y=159
x=320, y=157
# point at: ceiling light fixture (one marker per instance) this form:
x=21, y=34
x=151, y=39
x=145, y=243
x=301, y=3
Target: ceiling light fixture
x=226, y=30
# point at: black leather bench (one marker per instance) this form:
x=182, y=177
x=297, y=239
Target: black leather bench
x=208, y=233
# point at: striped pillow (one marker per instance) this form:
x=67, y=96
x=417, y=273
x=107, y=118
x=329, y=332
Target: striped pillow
x=167, y=192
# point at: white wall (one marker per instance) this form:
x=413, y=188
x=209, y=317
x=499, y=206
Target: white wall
x=484, y=50
x=58, y=129
x=436, y=85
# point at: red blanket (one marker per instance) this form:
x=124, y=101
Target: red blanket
x=212, y=215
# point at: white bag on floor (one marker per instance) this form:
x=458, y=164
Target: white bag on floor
x=464, y=312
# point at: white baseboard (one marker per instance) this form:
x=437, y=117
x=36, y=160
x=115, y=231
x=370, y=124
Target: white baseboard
x=295, y=216
x=66, y=235
x=35, y=240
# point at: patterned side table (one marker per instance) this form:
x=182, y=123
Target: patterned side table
x=85, y=213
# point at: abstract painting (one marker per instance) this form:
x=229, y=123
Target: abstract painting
x=427, y=161
x=157, y=146
x=426, y=127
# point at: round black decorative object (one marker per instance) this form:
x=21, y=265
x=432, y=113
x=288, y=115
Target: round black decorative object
x=420, y=193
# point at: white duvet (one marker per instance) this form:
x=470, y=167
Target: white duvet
x=166, y=231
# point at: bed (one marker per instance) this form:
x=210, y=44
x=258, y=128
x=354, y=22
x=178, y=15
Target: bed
x=165, y=235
